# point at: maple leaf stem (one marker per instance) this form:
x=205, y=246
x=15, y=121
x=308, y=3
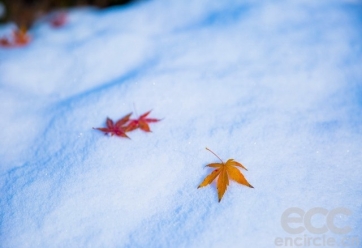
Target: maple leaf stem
x=215, y=155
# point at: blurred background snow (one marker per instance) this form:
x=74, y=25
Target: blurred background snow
x=276, y=85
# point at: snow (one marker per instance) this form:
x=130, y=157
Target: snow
x=275, y=85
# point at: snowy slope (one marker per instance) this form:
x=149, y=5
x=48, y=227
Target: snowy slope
x=276, y=85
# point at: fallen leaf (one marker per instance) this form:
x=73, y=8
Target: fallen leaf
x=141, y=123
x=18, y=38
x=58, y=19
x=117, y=128
x=4, y=42
x=223, y=171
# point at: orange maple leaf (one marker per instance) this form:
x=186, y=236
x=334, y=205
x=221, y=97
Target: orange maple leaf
x=116, y=128
x=224, y=171
x=141, y=123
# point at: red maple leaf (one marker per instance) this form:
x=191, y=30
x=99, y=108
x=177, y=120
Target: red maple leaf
x=4, y=42
x=141, y=123
x=116, y=128
x=58, y=19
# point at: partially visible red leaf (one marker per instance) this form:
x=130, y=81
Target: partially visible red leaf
x=117, y=128
x=58, y=19
x=4, y=42
x=141, y=123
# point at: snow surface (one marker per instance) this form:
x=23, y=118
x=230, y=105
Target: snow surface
x=276, y=85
